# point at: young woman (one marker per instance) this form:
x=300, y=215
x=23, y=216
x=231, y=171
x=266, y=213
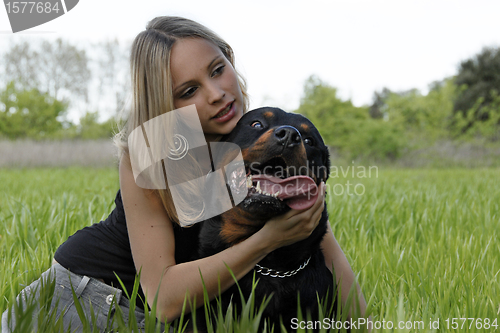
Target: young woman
x=175, y=63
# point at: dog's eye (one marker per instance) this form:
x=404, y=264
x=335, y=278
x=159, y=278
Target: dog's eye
x=256, y=124
x=309, y=141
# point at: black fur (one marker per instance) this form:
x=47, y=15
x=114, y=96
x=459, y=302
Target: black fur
x=315, y=279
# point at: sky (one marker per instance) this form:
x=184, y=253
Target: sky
x=357, y=46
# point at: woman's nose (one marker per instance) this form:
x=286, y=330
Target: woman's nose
x=215, y=93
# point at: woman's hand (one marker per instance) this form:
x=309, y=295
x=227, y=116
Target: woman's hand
x=294, y=225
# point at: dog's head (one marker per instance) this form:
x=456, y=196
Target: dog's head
x=285, y=161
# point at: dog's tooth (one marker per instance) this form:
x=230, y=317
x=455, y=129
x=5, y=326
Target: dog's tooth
x=276, y=194
x=258, y=186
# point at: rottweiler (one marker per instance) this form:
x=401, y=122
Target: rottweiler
x=285, y=160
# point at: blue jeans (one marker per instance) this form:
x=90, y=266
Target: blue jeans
x=103, y=299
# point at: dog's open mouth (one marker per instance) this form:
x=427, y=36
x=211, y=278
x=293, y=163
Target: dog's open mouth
x=274, y=180
x=298, y=192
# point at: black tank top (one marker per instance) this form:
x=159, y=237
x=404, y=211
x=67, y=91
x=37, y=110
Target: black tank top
x=103, y=249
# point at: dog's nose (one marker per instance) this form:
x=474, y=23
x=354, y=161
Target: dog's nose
x=288, y=136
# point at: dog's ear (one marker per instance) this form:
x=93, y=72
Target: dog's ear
x=326, y=161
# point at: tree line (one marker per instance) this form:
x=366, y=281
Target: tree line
x=464, y=107
x=41, y=82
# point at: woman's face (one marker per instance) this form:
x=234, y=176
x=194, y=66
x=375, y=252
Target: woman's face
x=203, y=76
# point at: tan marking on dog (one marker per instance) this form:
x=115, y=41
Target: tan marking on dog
x=305, y=127
x=238, y=225
x=256, y=151
x=268, y=114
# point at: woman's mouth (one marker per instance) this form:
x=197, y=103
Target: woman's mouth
x=226, y=114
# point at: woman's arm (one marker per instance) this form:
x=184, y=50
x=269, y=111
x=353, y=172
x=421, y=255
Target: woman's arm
x=153, y=249
x=343, y=272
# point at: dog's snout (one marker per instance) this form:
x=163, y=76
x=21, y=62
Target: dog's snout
x=288, y=136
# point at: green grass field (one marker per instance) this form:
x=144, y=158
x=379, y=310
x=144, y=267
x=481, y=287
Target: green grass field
x=424, y=241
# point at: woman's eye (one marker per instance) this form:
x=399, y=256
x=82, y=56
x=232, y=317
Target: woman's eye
x=309, y=141
x=218, y=70
x=189, y=92
x=256, y=124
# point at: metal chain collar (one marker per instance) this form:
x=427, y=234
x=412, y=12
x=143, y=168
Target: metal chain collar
x=274, y=273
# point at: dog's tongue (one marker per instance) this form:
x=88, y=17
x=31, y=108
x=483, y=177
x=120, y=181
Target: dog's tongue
x=298, y=192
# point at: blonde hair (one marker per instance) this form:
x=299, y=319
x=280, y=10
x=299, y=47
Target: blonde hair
x=151, y=79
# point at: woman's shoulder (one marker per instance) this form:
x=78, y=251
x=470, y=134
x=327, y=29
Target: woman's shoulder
x=139, y=203
x=128, y=183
